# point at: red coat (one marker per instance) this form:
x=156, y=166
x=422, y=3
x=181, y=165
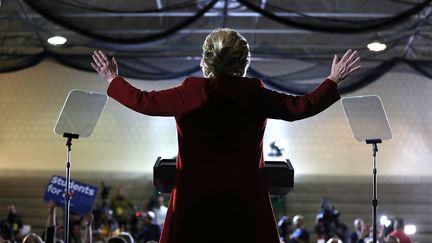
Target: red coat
x=401, y=235
x=220, y=193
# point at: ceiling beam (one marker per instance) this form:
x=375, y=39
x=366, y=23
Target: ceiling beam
x=209, y=14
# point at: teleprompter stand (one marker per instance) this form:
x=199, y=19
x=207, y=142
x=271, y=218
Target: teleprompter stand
x=369, y=124
x=374, y=143
x=68, y=193
x=78, y=118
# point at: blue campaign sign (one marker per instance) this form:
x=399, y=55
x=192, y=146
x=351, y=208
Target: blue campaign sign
x=83, y=195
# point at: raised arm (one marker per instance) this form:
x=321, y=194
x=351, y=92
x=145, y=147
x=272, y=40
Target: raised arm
x=287, y=107
x=166, y=102
x=50, y=231
x=88, y=218
x=277, y=105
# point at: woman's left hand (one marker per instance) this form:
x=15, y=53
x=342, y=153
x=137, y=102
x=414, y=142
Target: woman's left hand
x=104, y=67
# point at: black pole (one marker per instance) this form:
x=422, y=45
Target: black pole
x=69, y=137
x=375, y=198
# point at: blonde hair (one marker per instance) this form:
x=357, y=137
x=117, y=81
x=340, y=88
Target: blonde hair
x=225, y=53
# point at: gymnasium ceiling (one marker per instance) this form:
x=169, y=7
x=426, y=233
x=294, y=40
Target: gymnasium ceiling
x=292, y=41
x=27, y=24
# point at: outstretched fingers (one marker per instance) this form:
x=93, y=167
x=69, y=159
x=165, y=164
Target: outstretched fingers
x=96, y=60
x=103, y=57
x=94, y=66
x=346, y=55
x=97, y=68
x=354, y=69
x=351, y=64
x=353, y=55
x=99, y=58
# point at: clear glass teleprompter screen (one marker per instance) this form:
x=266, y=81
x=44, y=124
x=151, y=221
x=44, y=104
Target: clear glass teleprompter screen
x=80, y=113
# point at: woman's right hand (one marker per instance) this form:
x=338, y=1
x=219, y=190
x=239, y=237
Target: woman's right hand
x=345, y=66
x=107, y=69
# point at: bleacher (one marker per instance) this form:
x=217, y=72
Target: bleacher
x=411, y=200
x=27, y=193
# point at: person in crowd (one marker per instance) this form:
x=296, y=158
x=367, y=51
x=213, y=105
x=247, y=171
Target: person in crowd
x=366, y=234
x=14, y=221
x=32, y=238
x=284, y=225
x=341, y=230
x=149, y=229
x=97, y=212
x=100, y=207
x=357, y=233
x=399, y=232
x=88, y=235
x=122, y=207
x=116, y=239
x=160, y=211
x=126, y=236
x=104, y=194
x=134, y=222
x=76, y=234
x=59, y=234
x=321, y=229
x=54, y=234
x=300, y=234
x=334, y=239
x=391, y=239
x=97, y=236
x=50, y=230
x=328, y=224
x=108, y=226
x=325, y=226
x=5, y=230
x=369, y=234
x=3, y=240
x=221, y=120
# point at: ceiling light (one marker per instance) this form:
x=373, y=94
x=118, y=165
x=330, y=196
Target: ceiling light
x=410, y=229
x=227, y=4
x=223, y=4
x=376, y=46
x=57, y=40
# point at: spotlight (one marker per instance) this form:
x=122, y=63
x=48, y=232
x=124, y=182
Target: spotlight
x=376, y=46
x=57, y=40
x=385, y=221
x=410, y=229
